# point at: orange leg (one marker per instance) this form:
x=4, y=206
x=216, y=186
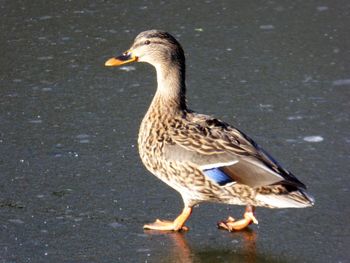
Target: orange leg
x=232, y=225
x=176, y=225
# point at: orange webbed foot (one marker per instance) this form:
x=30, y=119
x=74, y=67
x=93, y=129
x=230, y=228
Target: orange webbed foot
x=177, y=225
x=164, y=225
x=235, y=225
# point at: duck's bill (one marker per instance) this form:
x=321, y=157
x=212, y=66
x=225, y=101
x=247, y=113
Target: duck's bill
x=125, y=58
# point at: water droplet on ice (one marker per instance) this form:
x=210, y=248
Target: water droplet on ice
x=267, y=27
x=313, y=138
x=127, y=68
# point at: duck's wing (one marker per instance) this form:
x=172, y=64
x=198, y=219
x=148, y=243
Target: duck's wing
x=225, y=154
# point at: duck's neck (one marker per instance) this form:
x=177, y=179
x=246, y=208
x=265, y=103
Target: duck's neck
x=171, y=90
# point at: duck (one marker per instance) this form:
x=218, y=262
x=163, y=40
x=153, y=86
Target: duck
x=203, y=158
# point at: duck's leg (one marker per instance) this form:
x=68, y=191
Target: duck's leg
x=176, y=225
x=232, y=225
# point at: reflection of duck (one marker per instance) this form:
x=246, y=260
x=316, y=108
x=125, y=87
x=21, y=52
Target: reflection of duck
x=203, y=158
x=186, y=249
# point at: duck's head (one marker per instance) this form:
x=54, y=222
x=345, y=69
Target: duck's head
x=153, y=46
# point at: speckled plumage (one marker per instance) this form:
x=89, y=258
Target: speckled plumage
x=180, y=146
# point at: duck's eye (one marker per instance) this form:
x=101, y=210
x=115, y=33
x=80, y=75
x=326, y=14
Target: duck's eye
x=147, y=42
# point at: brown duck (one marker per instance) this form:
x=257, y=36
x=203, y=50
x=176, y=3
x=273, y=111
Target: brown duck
x=203, y=158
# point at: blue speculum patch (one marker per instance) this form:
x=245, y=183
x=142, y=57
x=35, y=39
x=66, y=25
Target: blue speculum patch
x=218, y=176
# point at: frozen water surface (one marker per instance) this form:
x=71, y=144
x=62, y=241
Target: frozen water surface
x=72, y=187
x=341, y=82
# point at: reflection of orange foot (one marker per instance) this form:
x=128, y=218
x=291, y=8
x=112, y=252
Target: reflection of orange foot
x=232, y=225
x=177, y=225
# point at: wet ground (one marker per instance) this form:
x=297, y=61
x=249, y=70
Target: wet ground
x=72, y=187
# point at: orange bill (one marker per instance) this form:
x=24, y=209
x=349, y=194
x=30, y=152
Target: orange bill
x=126, y=57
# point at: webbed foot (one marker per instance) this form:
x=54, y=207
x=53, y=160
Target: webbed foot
x=235, y=225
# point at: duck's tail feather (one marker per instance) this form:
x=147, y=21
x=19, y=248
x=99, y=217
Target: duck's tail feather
x=295, y=199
